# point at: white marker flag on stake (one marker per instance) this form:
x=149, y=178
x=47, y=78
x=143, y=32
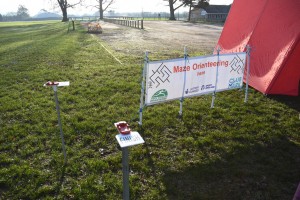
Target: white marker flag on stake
x=165, y=79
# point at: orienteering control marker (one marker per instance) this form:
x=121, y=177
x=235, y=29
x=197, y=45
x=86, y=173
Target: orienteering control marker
x=54, y=85
x=126, y=138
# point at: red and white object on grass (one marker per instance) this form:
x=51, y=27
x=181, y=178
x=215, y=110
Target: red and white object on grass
x=123, y=127
x=56, y=83
x=126, y=137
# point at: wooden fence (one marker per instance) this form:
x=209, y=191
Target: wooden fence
x=129, y=21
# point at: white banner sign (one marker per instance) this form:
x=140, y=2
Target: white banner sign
x=173, y=79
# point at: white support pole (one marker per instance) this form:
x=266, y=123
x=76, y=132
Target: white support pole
x=248, y=72
x=183, y=90
x=180, y=108
x=217, y=74
x=182, y=97
x=59, y=123
x=143, y=88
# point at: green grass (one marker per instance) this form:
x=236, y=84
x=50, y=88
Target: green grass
x=234, y=151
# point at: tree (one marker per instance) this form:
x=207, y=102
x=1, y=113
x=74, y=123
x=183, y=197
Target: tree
x=191, y=4
x=103, y=5
x=10, y=16
x=202, y=4
x=1, y=18
x=64, y=5
x=22, y=13
x=173, y=8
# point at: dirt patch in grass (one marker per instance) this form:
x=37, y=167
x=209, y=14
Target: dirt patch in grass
x=161, y=37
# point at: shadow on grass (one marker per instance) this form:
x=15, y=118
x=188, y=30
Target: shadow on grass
x=262, y=171
x=60, y=181
x=290, y=101
x=151, y=162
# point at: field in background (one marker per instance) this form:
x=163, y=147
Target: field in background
x=234, y=151
x=163, y=39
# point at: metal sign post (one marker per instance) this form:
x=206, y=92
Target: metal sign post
x=54, y=85
x=126, y=138
x=184, y=81
x=125, y=170
x=216, y=83
x=142, y=88
x=248, y=72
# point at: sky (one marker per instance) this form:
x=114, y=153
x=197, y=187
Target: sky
x=34, y=6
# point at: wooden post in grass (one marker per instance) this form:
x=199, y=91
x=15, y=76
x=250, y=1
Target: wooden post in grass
x=73, y=24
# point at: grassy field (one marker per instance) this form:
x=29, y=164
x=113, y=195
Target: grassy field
x=234, y=151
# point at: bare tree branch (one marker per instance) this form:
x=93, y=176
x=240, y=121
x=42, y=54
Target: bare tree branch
x=64, y=5
x=109, y=4
x=102, y=5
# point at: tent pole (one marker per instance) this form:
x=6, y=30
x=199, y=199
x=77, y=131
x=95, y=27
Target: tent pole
x=142, y=88
x=217, y=74
x=182, y=97
x=248, y=71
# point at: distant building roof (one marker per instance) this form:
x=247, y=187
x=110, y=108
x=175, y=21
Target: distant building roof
x=217, y=8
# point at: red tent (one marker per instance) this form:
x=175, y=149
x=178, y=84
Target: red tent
x=272, y=29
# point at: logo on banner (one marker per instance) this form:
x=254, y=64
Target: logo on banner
x=192, y=90
x=159, y=76
x=235, y=83
x=237, y=65
x=160, y=95
x=208, y=86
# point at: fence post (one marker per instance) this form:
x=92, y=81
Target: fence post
x=127, y=21
x=73, y=23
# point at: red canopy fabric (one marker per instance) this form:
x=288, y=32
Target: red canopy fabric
x=272, y=29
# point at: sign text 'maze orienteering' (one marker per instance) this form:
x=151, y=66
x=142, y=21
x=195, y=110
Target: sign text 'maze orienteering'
x=182, y=78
